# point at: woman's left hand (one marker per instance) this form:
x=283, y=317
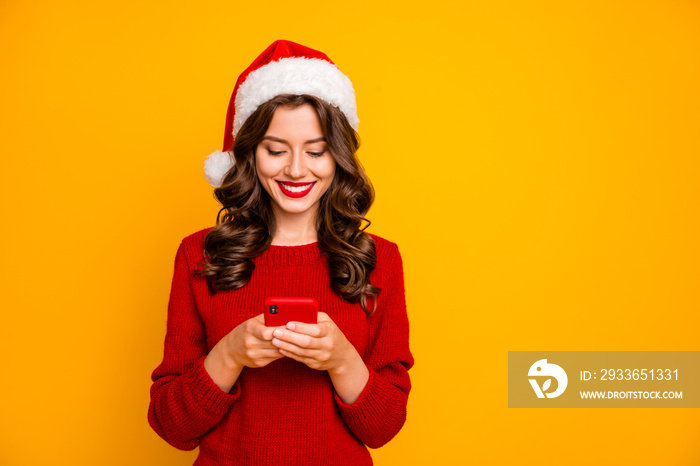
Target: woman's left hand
x=321, y=346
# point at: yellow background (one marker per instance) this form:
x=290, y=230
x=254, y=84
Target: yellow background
x=536, y=162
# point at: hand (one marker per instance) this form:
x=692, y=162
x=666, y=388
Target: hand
x=250, y=344
x=321, y=346
x=247, y=345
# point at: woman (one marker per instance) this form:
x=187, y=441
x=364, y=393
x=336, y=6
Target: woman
x=294, y=195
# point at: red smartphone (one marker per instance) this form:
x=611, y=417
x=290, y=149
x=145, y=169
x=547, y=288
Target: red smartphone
x=280, y=310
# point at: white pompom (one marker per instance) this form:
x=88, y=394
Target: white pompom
x=216, y=166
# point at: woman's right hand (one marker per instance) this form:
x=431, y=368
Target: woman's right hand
x=247, y=345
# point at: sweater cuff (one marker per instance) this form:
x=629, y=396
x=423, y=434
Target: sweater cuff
x=370, y=406
x=210, y=396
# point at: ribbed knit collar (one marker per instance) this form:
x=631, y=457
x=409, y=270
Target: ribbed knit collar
x=291, y=255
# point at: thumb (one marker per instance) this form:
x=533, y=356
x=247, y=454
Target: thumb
x=260, y=330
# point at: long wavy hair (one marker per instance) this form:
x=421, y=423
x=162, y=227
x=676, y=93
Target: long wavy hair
x=248, y=224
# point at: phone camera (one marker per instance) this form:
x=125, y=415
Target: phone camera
x=273, y=309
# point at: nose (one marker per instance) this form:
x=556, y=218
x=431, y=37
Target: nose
x=296, y=168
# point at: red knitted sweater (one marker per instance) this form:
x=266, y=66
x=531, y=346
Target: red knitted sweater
x=284, y=413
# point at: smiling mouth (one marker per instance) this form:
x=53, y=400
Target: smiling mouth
x=295, y=190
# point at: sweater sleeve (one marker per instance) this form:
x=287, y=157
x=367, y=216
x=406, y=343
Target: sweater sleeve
x=380, y=411
x=185, y=401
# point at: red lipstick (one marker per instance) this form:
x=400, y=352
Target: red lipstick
x=285, y=185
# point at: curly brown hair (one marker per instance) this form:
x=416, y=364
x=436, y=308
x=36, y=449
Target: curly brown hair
x=248, y=224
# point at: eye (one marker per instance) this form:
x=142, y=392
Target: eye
x=274, y=152
x=316, y=154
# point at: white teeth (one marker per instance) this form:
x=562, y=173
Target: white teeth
x=297, y=189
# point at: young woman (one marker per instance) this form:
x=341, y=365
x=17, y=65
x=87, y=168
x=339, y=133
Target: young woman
x=294, y=197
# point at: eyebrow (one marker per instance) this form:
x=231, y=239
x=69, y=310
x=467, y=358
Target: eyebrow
x=310, y=141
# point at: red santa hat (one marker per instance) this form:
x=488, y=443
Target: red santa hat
x=284, y=67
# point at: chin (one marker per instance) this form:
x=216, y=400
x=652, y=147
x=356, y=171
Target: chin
x=292, y=207
x=295, y=208
x=295, y=211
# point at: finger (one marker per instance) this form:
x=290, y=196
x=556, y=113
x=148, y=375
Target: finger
x=298, y=339
x=312, y=363
x=282, y=345
x=265, y=344
x=323, y=317
x=262, y=362
x=264, y=333
x=251, y=341
x=312, y=330
x=265, y=353
x=259, y=330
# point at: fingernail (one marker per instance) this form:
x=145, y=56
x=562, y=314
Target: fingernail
x=278, y=333
x=290, y=325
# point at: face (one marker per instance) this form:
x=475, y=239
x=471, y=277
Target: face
x=293, y=162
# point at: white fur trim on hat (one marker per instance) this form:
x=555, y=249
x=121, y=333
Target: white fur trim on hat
x=295, y=75
x=216, y=166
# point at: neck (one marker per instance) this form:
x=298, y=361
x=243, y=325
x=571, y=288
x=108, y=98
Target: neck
x=294, y=229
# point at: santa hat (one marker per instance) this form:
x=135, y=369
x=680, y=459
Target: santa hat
x=284, y=67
